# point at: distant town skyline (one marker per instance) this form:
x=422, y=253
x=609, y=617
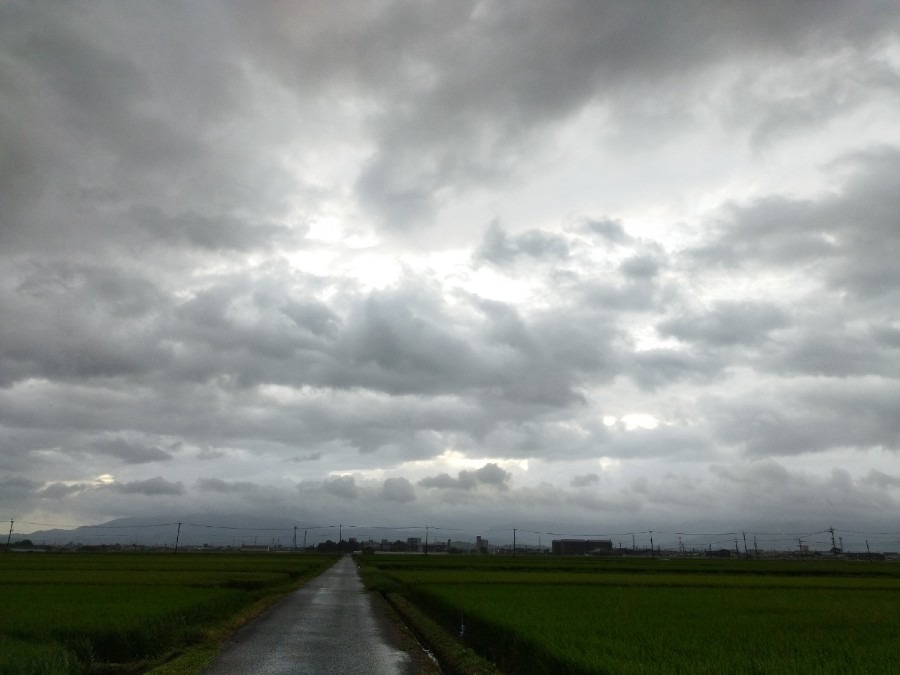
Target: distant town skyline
x=474, y=264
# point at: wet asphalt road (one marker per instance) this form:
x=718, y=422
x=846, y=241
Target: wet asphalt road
x=328, y=626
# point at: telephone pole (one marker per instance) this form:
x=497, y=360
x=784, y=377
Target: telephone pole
x=9, y=536
x=177, y=537
x=514, y=542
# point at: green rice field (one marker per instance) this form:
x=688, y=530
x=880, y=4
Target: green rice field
x=630, y=616
x=124, y=612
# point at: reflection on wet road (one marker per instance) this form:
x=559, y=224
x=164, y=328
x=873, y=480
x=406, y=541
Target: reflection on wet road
x=328, y=626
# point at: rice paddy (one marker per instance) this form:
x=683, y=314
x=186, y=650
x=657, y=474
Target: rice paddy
x=619, y=616
x=124, y=612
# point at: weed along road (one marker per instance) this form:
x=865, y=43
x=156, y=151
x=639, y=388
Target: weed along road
x=328, y=626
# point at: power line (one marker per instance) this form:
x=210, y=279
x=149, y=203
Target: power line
x=767, y=539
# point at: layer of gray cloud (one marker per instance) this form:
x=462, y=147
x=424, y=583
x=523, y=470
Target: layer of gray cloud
x=159, y=183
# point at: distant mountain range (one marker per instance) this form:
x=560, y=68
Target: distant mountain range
x=193, y=530
x=217, y=530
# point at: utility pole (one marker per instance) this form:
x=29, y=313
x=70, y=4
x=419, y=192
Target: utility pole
x=736, y=549
x=9, y=536
x=868, y=550
x=304, y=540
x=746, y=555
x=755, y=550
x=426, y=540
x=514, y=542
x=295, y=537
x=652, y=554
x=833, y=544
x=177, y=537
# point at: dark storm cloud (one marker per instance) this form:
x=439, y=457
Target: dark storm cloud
x=151, y=487
x=637, y=284
x=640, y=267
x=226, y=487
x=881, y=480
x=607, y=228
x=830, y=348
x=18, y=494
x=490, y=474
x=543, y=358
x=727, y=324
x=500, y=248
x=850, y=240
x=653, y=368
x=222, y=232
x=768, y=489
x=129, y=452
x=123, y=293
x=343, y=487
x=811, y=417
x=77, y=321
x=585, y=480
x=311, y=457
x=120, y=143
x=404, y=342
x=18, y=487
x=398, y=490
x=61, y=490
x=481, y=92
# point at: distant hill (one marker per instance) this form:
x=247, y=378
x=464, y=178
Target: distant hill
x=220, y=530
x=195, y=530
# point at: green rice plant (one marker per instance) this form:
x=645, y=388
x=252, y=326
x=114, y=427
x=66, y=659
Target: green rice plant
x=19, y=657
x=630, y=617
x=678, y=630
x=120, y=608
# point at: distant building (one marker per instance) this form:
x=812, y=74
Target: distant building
x=481, y=545
x=719, y=553
x=581, y=546
x=413, y=543
x=254, y=548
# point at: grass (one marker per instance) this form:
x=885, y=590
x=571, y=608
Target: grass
x=127, y=612
x=551, y=615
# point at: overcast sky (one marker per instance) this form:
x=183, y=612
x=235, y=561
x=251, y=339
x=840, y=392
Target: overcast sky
x=603, y=265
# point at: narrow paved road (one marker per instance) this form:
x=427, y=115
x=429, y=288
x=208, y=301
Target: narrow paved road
x=328, y=626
